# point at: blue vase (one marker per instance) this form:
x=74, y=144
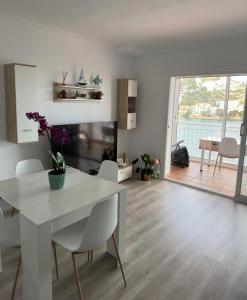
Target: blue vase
x=56, y=181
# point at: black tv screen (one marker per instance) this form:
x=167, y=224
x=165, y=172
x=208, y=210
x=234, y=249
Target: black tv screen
x=90, y=144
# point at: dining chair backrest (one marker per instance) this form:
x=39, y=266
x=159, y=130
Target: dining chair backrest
x=101, y=223
x=109, y=171
x=9, y=231
x=28, y=166
x=104, y=216
x=229, y=147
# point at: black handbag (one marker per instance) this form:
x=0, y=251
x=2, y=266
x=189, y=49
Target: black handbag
x=180, y=155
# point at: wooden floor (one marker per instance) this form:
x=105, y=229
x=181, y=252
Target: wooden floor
x=223, y=182
x=181, y=244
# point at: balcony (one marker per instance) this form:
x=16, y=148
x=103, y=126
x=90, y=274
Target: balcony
x=192, y=132
x=207, y=107
x=224, y=181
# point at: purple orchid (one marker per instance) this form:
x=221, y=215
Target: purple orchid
x=59, y=136
x=55, y=136
x=43, y=125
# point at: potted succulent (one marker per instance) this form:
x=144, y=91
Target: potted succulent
x=147, y=166
x=57, y=138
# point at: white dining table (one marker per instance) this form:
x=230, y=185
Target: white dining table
x=44, y=211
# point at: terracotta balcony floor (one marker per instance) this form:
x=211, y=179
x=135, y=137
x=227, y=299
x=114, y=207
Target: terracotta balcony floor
x=223, y=182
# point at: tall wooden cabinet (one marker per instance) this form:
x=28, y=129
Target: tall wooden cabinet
x=126, y=103
x=20, y=95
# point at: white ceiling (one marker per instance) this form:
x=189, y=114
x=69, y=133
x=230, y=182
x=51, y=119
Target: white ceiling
x=135, y=22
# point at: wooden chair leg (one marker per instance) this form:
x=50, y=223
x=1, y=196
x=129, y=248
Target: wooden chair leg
x=55, y=258
x=16, y=278
x=90, y=256
x=216, y=164
x=119, y=260
x=12, y=211
x=77, y=277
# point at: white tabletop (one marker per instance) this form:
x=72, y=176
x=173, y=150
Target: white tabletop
x=31, y=194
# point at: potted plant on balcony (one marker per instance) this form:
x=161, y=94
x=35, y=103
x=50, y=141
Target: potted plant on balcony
x=147, y=167
x=57, y=138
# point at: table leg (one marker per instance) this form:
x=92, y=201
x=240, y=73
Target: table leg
x=202, y=159
x=121, y=227
x=209, y=158
x=36, y=260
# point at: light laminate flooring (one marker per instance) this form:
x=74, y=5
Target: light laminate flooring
x=181, y=244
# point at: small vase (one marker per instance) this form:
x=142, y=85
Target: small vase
x=145, y=177
x=56, y=181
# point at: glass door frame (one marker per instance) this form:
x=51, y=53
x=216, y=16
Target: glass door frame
x=239, y=197
x=177, y=92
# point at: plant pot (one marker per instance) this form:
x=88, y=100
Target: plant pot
x=56, y=181
x=145, y=177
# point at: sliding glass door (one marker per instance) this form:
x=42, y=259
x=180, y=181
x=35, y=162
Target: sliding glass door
x=241, y=185
x=235, y=90
x=209, y=107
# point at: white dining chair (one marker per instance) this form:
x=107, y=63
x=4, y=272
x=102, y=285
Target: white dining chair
x=10, y=238
x=228, y=148
x=27, y=166
x=109, y=171
x=90, y=233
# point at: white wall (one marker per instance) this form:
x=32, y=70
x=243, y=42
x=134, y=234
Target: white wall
x=153, y=70
x=53, y=51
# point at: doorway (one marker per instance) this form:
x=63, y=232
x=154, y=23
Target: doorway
x=205, y=108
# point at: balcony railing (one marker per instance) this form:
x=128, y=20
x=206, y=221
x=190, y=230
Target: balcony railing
x=192, y=132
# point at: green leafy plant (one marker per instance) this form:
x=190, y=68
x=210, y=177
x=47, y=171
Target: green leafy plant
x=58, y=163
x=146, y=165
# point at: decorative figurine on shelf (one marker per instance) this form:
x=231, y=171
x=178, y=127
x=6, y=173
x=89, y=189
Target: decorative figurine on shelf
x=97, y=95
x=64, y=75
x=97, y=80
x=82, y=80
x=62, y=94
x=81, y=95
x=125, y=158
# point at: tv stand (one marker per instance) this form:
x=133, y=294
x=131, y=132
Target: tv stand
x=124, y=173
x=93, y=172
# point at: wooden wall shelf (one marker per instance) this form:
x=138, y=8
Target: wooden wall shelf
x=78, y=100
x=77, y=87
x=74, y=93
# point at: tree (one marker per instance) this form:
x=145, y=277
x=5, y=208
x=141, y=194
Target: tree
x=220, y=112
x=202, y=90
x=233, y=113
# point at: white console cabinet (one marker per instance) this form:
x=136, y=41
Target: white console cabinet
x=20, y=93
x=124, y=173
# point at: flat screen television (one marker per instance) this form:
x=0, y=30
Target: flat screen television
x=90, y=144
